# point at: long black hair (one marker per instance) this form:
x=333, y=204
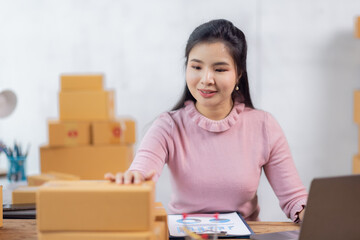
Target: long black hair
x=234, y=39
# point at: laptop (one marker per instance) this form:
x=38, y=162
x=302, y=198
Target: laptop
x=332, y=212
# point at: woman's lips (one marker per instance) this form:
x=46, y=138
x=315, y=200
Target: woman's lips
x=206, y=93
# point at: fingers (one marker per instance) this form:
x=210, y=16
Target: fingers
x=138, y=178
x=119, y=178
x=150, y=175
x=110, y=177
x=129, y=177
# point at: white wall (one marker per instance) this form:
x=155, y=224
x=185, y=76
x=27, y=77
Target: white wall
x=303, y=65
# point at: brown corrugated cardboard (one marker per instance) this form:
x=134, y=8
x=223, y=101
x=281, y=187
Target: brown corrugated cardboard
x=357, y=106
x=63, y=133
x=81, y=82
x=40, y=179
x=87, y=162
x=148, y=235
x=95, y=206
x=86, y=105
x=357, y=27
x=121, y=130
x=24, y=194
x=356, y=164
x=161, y=216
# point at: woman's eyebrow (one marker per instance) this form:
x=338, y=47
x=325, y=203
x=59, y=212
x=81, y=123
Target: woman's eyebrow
x=215, y=64
x=221, y=63
x=196, y=60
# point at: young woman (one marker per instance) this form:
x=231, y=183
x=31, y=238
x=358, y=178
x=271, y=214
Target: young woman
x=214, y=141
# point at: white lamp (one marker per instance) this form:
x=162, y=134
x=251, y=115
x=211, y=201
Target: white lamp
x=8, y=102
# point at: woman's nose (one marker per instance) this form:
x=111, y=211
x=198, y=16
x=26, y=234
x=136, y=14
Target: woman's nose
x=208, y=78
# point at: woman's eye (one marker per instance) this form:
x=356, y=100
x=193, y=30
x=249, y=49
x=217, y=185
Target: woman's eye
x=221, y=70
x=196, y=67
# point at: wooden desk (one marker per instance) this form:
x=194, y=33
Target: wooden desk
x=26, y=229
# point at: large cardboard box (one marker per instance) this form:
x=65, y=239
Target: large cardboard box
x=87, y=162
x=148, y=235
x=81, y=82
x=69, y=133
x=356, y=164
x=156, y=234
x=95, y=206
x=86, y=105
x=24, y=195
x=40, y=179
x=357, y=27
x=1, y=206
x=121, y=130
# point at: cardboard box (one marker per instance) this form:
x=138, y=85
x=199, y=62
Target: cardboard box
x=160, y=231
x=97, y=236
x=86, y=105
x=40, y=179
x=68, y=133
x=95, y=206
x=357, y=27
x=357, y=106
x=1, y=206
x=161, y=216
x=24, y=194
x=87, y=162
x=81, y=82
x=356, y=164
x=121, y=130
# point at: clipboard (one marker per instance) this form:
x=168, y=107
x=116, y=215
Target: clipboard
x=221, y=235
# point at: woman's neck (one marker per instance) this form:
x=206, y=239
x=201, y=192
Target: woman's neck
x=217, y=112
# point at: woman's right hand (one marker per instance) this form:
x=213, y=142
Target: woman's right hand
x=129, y=177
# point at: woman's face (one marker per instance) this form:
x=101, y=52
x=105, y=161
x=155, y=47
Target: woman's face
x=211, y=76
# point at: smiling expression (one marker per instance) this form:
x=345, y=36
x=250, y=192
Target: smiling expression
x=211, y=78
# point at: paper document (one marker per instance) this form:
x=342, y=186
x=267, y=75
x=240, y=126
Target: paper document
x=231, y=223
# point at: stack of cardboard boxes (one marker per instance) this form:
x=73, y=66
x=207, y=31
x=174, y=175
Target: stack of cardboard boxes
x=356, y=158
x=87, y=140
x=70, y=210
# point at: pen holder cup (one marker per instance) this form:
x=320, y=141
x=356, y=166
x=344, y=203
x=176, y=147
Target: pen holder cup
x=16, y=168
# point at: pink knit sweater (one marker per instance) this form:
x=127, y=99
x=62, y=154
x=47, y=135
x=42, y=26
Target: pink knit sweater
x=216, y=165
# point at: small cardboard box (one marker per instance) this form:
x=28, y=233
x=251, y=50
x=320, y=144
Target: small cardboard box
x=86, y=105
x=87, y=162
x=161, y=216
x=160, y=231
x=1, y=206
x=24, y=195
x=356, y=164
x=40, y=179
x=121, y=130
x=357, y=106
x=81, y=82
x=145, y=235
x=95, y=206
x=357, y=27
x=68, y=133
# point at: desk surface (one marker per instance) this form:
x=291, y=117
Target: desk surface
x=26, y=229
